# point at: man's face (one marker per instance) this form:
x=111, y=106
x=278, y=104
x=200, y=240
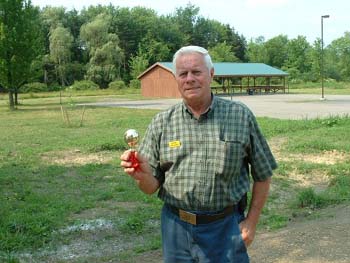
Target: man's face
x=193, y=77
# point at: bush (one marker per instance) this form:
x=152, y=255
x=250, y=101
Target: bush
x=308, y=198
x=135, y=84
x=117, y=84
x=84, y=85
x=54, y=87
x=34, y=87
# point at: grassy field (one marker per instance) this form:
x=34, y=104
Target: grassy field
x=64, y=198
x=330, y=88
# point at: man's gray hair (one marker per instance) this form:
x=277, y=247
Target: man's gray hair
x=191, y=50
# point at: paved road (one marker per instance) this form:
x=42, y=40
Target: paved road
x=282, y=106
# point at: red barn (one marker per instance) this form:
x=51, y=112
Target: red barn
x=159, y=81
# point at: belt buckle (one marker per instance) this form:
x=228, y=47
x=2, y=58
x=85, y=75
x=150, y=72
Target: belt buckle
x=188, y=217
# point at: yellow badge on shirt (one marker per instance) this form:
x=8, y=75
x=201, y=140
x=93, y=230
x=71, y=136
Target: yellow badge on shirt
x=174, y=144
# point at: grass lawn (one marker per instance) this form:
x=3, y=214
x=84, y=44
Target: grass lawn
x=329, y=88
x=62, y=192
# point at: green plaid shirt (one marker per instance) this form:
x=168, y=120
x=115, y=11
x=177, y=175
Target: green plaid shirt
x=211, y=155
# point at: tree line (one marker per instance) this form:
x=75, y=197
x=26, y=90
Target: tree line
x=109, y=43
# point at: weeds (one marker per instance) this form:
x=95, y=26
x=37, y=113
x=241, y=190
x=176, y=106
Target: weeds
x=307, y=198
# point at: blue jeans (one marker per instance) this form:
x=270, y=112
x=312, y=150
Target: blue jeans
x=216, y=242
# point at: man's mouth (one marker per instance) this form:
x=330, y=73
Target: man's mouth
x=191, y=88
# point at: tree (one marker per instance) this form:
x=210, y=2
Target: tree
x=338, y=55
x=314, y=56
x=61, y=41
x=276, y=49
x=298, y=57
x=140, y=27
x=106, y=57
x=238, y=43
x=206, y=33
x=186, y=18
x=222, y=53
x=156, y=50
x=256, y=51
x=19, y=44
x=138, y=64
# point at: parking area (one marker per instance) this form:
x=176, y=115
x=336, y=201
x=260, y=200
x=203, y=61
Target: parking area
x=282, y=106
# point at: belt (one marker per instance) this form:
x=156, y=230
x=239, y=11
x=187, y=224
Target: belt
x=198, y=219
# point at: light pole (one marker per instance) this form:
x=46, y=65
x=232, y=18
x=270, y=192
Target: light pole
x=324, y=16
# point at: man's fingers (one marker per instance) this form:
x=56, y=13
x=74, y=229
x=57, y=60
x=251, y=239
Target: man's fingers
x=125, y=156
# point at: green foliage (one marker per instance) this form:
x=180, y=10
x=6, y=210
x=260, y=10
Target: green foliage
x=256, y=51
x=117, y=84
x=20, y=43
x=61, y=41
x=154, y=52
x=54, y=87
x=308, y=198
x=338, y=57
x=134, y=224
x=138, y=64
x=277, y=52
x=74, y=71
x=222, y=53
x=135, y=84
x=275, y=221
x=325, y=136
x=106, y=57
x=298, y=55
x=340, y=185
x=34, y=87
x=84, y=85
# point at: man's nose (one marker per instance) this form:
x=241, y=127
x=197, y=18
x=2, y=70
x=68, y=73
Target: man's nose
x=189, y=77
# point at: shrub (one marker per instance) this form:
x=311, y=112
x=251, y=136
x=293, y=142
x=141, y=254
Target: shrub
x=308, y=198
x=34, y=87
x=54, y=87
x=84, y=85
x=117, y=84
x=135, y=84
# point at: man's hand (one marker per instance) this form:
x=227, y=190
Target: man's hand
x=142, y=174
x=247, y=231
x=259, y=197
x=136, y=173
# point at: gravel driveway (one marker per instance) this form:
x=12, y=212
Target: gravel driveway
x=282, y=106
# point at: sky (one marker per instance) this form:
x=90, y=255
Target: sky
x=250, y=18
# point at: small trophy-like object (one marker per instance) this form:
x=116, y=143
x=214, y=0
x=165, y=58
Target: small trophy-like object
x=131, y=137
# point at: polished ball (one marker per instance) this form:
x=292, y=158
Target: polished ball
x=131, y=137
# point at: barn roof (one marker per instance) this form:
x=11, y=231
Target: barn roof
x=229, y=69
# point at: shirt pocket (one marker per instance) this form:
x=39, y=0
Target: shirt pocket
x=171, y=154
x=229, y=156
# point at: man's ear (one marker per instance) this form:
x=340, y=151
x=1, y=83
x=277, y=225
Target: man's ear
x=212, y=73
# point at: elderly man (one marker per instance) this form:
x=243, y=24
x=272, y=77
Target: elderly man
x=199, y=156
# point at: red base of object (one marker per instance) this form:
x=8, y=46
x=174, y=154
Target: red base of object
x=134, y=162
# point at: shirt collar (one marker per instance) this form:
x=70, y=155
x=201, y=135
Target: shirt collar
x=205, y=114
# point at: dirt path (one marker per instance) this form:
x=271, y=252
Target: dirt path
x=322, y=240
